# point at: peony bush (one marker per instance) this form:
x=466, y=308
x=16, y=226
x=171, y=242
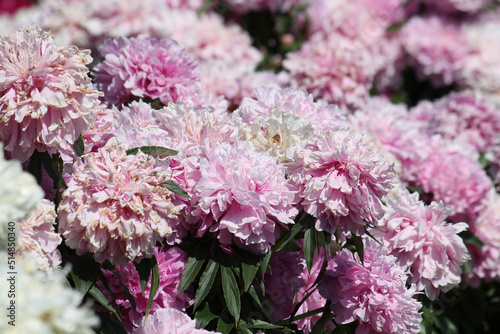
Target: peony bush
x=226, y=166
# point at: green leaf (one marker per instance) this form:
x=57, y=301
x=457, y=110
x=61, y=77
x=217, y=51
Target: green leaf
x=249, y=266
x=155, y=283
x=259, y=324
x=309, y=247
x=81, y=285
x=172, y=186
x=54, y=167
x=231, y=292
x=471, y=239
x=358, y=244
x=204, y=316
x=322, y=323
x=223, y=326
x=264, y=262
x=206, y=281
x=144, y=269
x=35, y=166
x=155, y=151
x=99, y=297
x=192, y=267
x=79, y=146
x=372, y=237
x=427, y=317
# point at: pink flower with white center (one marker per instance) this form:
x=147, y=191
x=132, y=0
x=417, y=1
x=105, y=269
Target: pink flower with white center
x=456, y=179
x=46, y=97
x=334, y=68
x=116, y=205
x=421, y=240
x=374, y=293
x=144, y=67
x=271, y=97
x=436, y=47
x=171, y=264
x=244, y=196
x=341, y=182
x=37, y=236
x=486, y=258
x=282, y=281
x=169, y=321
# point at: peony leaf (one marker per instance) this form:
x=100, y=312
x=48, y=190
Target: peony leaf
x=358, y=244
x=99, y=297
x=309, y=246
x=54, y=167
x=322, y=323
x=144, y=269
x=206, y=281
x=79, y=146
x=231, y=292
x=155, y=283
x=250, y=267
x=223, y=326
x=204, y=316
x=154, y=151
x=172, y=186
x=192, y=267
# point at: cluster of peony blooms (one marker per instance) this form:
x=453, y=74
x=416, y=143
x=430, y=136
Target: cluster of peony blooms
x=186, y=191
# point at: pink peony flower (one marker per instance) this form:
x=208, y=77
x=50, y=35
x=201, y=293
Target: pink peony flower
x=289, y=100
x=171, y=263
x=282, y=281
x=421, y=240
x=46, y=97
x=399, y=138
x=468, y=116
x=333, y=68
x=169, y=321
x=456, y=179
x=116, y=206
x=486, y=258
x=144, y=67
x=37, y=236
x=244, y=196
x=374, y=294
x=341, y=182
x=436, y=48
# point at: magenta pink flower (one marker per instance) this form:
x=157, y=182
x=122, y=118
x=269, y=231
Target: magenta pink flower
x=421, y=240
x=244, y=196
x=374, y=294
x=12, y=6
x=171, y=264
x=466, y=115
x=145, y=67
x=168, y=320
x=436, y=47
x=342, y=181
x=37, y=236
x=289, y=100
x=334, y=68
x=457, y=6
x=282, y=281
x=115, y=206
x=46, y=97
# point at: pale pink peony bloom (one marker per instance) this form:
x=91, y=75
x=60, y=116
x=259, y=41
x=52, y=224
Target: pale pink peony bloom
x=171, y=264
x=436, y=47
x=466, y=116
x=456, y=179
x=272, y=98
x=341, y=182
x=282, y=282
x=333, y=68
x=374, y=293
x=244, y=196
x=116, y=206
x=46, y=97
x=145, y=67
x=421, y=240
x=37, y=236
x=391, y=130
x=486, y=258
x=169, y=321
